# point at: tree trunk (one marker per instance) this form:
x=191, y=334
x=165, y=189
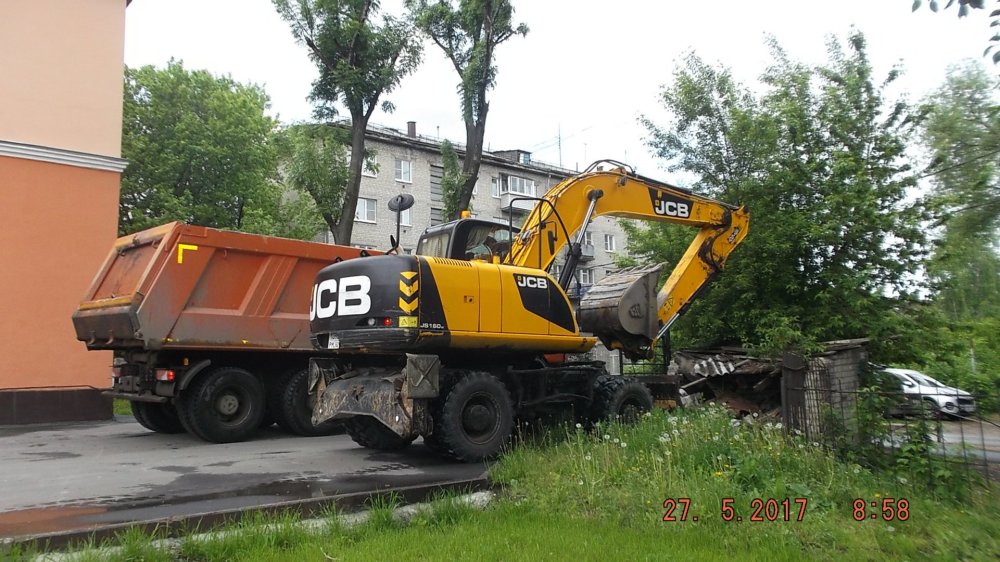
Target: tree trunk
x=475, y=132
x=345, y=226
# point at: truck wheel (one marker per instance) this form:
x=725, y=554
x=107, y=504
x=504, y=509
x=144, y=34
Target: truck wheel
x=373, y=434
x=223, y=406
x=292, y=406
x=161, y=418
x=474, y=418
x=620, y=398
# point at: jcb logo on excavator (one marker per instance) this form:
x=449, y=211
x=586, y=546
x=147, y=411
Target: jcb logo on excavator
x=531, y=282
x=350, y=300
x=668, y=205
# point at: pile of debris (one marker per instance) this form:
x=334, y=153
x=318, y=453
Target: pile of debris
x=729, y=376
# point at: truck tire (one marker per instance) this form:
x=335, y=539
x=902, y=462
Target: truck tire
x=373, y=434
x=618, y=398
x=292, y=408
x=161, y=418
x=223, y=406
x=473, y=418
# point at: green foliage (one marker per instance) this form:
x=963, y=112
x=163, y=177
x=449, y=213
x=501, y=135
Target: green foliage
x=963, y=134
x=199, y=148
x=469, y=34
x=452, y=180
x=819, y=160
x=315, y=164
x=361, y=55
x=963, y=10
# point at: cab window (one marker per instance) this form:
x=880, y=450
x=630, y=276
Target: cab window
x=435, y=246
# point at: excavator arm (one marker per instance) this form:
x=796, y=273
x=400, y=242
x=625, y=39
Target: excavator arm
x=620, y=309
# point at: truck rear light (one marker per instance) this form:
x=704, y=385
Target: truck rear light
x=165, y=375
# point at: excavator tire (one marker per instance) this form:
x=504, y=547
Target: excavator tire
x=291, y=407
x=618, y=398
x=161, y=418
x=373, y=434
x=473, y=418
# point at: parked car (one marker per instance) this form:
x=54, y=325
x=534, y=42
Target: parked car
x=942, y=399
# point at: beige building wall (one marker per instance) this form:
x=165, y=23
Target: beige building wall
x=61, y=72
x=61, y=63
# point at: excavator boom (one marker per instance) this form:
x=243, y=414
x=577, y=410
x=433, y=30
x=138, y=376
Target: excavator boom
x=619, y=309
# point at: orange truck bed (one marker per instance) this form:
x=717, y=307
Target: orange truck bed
x=178, y=286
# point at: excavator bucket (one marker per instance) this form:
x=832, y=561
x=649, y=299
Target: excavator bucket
x=621, y=308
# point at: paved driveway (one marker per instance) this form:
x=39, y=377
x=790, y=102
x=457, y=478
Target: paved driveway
x=75, y=476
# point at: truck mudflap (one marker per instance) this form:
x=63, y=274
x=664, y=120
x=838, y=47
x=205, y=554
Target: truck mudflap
x=396, y=397
x=620, y=310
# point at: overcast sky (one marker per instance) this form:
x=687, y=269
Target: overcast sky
x=588, y=68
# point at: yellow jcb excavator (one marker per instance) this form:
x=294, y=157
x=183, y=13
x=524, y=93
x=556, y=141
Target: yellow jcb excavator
x=454, y=343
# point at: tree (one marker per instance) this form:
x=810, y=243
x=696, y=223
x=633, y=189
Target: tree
x=199, y=149
x=963, y=10
x=819, y=160
x=963, y=134
x=469, y=34
x=316, y=164
x=360, y=56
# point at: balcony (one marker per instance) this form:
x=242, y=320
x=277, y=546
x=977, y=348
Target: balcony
x=586, y=252
x=523, y=206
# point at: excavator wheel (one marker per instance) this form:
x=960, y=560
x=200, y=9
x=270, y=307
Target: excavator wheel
x=618, y=398
x=290, y=404
x=373, y=434
x=161, y=418
x=473, y=418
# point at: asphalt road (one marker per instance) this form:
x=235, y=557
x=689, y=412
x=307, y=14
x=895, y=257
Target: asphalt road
x=84, y=476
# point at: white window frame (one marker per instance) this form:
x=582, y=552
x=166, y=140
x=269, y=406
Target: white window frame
x=519, y=186
x=588, y=238
x=609, y=243
x=403, y=165
x=586, y=276
x=369, y=167
x=370, y=208
x=405, y=219
x=475, y=188
x=495, y=187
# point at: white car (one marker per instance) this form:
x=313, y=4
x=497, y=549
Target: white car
x=943, y=398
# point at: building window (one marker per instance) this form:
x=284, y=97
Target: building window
x=588, y=238
x=404, y=218
x=586, y=276
x=366, y=210
x=475, y=188
x=609, y=242
x=557, y=271
x=369, y=167
x=519, y=186
x=436, y=216
x=404, y=171
x=495, y=188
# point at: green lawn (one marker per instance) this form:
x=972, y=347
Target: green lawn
x=574, y=495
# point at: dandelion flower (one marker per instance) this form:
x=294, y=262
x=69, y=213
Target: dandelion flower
x=579, y=426
x=624, y=444
x=615, y=440
x=587, y=458
x=903, y=480
x=606, y=437
x=718, y=473
x=667, y=453
x=580, y=482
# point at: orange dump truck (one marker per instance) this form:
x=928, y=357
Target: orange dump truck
x=209, y=328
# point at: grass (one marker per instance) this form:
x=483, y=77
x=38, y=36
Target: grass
x=599, y=495
x=121, y=407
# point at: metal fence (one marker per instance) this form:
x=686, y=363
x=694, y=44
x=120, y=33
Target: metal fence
x=824, y=400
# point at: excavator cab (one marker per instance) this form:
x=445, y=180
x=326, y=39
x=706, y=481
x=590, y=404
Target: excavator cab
x=467, y=239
